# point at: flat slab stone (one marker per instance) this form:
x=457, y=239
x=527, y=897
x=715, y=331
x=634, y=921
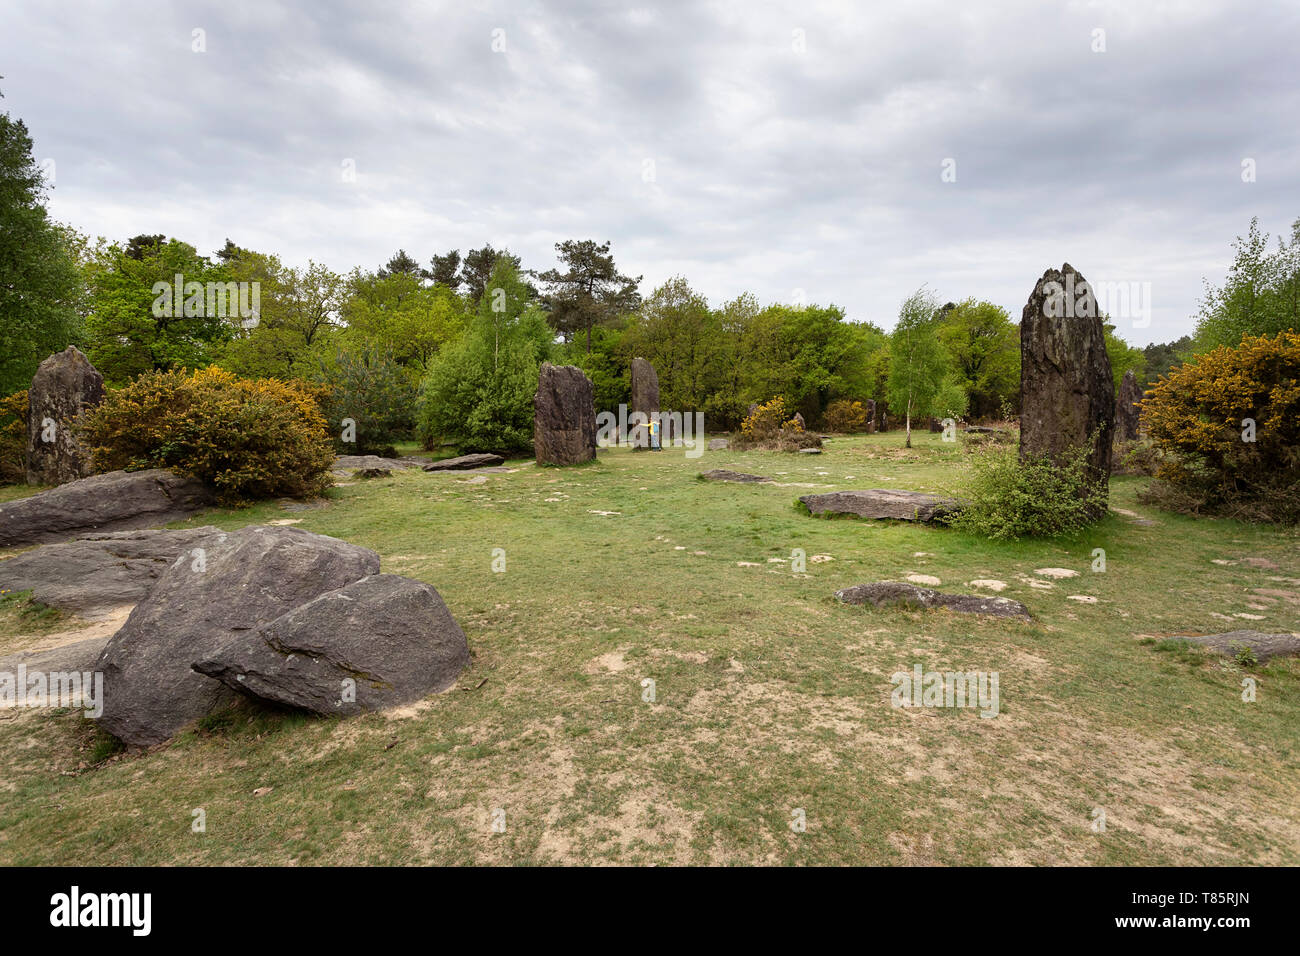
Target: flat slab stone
x=116, y=501
x=98, y=572
x=810, y=451
x=345, y=464
x=893, y=593
x=79, y=656
x=883, y=503
x=465, y=463
x=1265, y=646
x=721, y=474
x=718, y=444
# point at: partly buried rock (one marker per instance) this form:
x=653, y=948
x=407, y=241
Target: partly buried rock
x=721, y=474
x=244, y=579
x=564, y=416
x=1263, y=646
x=810, y=451
x=465, y=463
x=98, y=573
x=351, y=464
x=116, y=501
x=391, y=636
x=719, y=444
x=891, y=593
x=65, y=385
x=883, y=503
x=367, y=473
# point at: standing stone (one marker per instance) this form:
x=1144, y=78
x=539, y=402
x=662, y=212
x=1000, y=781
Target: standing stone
x=564, y=416
x=65, y=385
x=1066, y=387
x=1126, y=410
x=799, y=420
x=645, y=398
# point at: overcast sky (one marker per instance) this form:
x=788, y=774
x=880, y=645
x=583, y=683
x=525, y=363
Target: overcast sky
x=790, y=150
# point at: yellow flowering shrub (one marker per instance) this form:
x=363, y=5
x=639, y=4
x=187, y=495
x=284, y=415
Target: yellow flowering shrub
x=766, y=421
x=13, y=438
x=843, y=415
x=247, y=438
x=1227, y=429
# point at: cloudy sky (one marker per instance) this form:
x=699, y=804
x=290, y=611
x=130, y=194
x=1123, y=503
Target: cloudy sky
x=798, y=151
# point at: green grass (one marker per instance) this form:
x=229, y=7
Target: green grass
x=769, y=695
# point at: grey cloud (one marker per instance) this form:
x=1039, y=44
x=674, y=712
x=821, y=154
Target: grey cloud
x=774, y=170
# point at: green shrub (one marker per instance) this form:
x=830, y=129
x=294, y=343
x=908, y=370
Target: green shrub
x=479, y=391
x=1008, y=499
x=376, y=393
x=246, y=438
x=13, y=439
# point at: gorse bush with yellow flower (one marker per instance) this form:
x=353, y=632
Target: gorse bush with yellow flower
x=246, y=438
x=13, y=438
x=844, y=415
x=1226, y=427
x=771, y=426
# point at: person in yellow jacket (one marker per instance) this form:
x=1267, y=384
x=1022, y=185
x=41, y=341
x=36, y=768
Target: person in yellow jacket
x=654, y=433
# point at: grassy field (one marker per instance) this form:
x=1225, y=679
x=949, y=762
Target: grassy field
x=769, y=696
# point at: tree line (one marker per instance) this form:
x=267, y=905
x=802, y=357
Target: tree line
x=450, y=345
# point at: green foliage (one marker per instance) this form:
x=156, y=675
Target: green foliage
x=479, y=391
x=921, y=379
x=39, y=283
x=246, y=438
x=1163, y=357
x=1259, y=296
x=589, y=291
x=298, y=323
x=1123, y=357
x=134, y=329
x=983, y=346
x=376, y=393
x=398, y=315
x=1009, y=499
x=1196, y=418
x=13, y=439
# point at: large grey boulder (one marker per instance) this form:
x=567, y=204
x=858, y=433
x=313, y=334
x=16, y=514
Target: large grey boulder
x=380, y=642
x=240, y=581
x=1126, y=407
x=1263, y=646
x=465, y=463
x=98, y=573
x=883, y=504
x=65, y=385
x=897, y=593
x=564, y=416
x=116, y=501
x=1067, y=392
